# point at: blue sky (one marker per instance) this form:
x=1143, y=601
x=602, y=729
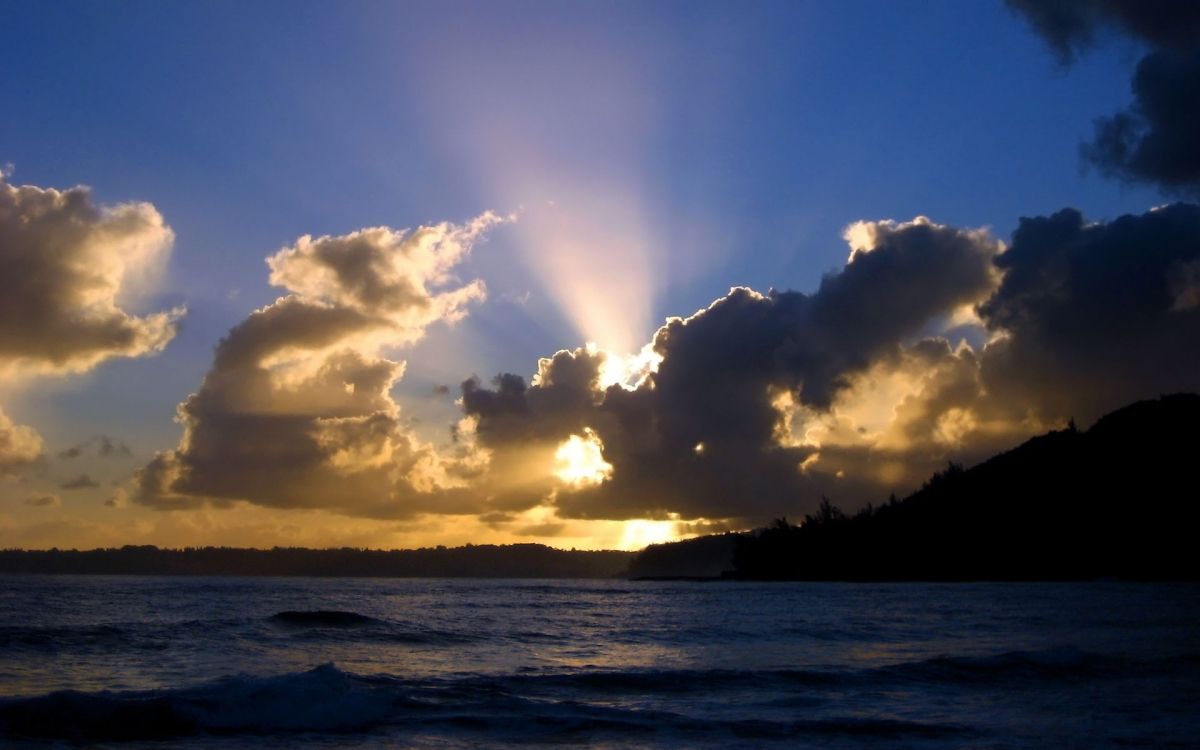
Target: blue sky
x=685, y=148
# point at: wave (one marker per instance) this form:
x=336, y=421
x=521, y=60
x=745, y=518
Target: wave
x=1044, y=667
x=653, y=681
x=330, y=618
x=1048, y=664
x=328, y=700
x=535, y=706
x=322, y=699
x=342, y=626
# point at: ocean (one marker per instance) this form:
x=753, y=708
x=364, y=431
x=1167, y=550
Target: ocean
x=172, y=662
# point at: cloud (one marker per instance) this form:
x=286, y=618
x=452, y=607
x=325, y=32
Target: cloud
x=43, y=500
x=1153, y=140
x=296, y=410
x=759, y=404
x=119, y=498
x=700, y=437
x=20, y=446
x=385, y=273
x=104, y=446
x=1094, y=316
x=79, y=482
x=1070, y=27
x=66, y=267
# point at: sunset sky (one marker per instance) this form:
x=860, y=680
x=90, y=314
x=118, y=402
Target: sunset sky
x=403, y=274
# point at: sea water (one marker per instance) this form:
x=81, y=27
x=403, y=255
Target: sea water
x=314, y=663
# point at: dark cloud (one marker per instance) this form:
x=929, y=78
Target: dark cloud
x=899, y=277
x=702, y=528
x=103, y=446
x=1096, y=315
x=108, y=447
x=1070, y=27
x=1155, y=139
x=760, y=404
x=541, y=529
x=701, y=436
x=496, y=519
x=80, y=482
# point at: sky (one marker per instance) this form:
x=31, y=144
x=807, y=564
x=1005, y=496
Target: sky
x=592, y=275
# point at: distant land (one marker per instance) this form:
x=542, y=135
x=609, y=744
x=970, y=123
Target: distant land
x=1121, y=501
x=471, y=561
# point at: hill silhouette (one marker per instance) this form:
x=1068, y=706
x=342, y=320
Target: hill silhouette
x=1117, y=501
x=701, y=557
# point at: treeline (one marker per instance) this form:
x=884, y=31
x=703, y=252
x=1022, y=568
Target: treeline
x=474, y=561
x=702, y=557
x=1120, y=500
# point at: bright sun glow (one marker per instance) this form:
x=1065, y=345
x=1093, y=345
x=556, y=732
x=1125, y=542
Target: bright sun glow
x=638, y=534
x=626, y=370
x=579, y=461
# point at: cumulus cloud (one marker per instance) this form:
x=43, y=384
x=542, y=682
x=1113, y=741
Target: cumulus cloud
x=1096, y=315
x=760, y=404
x=67, y=270
x=66, y=267
x=701, y=435
x=1153, y=140
x=902, y=419
x=755, y=406
x=296, y=410
x=20, y=446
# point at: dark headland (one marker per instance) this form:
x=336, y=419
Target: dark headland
x=1120, y=500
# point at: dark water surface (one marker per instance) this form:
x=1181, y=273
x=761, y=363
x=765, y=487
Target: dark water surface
x=306, y=663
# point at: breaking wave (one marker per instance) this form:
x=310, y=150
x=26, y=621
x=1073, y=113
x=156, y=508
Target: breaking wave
x=329, y=700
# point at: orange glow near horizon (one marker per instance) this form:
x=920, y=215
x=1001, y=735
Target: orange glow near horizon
x=640, y=533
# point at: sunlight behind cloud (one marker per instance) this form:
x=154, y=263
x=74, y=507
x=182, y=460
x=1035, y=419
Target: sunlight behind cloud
x=626, y=370
x=579, y=461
